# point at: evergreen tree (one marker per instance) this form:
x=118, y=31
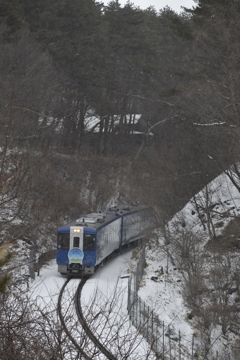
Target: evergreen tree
x=217, y=39
x=217, y=88
x=5, y=256
x=11, y=14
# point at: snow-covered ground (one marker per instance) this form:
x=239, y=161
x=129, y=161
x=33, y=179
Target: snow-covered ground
x=50, y=281
x=106, y=293
x=220, y=197
x=161, y=287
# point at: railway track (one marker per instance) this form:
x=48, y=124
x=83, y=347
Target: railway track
x=83, y=322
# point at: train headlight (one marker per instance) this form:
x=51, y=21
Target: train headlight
x=76, y=230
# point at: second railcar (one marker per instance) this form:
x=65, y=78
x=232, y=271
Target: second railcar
x=136, y=221
x=82, y=245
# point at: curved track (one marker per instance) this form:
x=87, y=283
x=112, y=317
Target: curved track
x=83, y=323
x=85, y=326
x=59, y=307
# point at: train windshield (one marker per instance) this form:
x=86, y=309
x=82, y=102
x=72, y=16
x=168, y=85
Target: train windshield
x=63, y=241
x=89, y=242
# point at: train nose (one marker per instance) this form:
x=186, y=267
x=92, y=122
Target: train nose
x=75, y=268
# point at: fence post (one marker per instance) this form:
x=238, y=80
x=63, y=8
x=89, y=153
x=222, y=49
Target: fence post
x=147, y=321
x=140, y=313
x=137, y=310
x=135, y=283
x=192, y=346
x=163, y=340
x=32, y=262
x=170, y=349
x=129, y=289
x=133, y=305
x=179, y=345
x=156, y=337
x=152, y=324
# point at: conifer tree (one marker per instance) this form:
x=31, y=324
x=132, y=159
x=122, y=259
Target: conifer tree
x=217, y=89
x=5, y=256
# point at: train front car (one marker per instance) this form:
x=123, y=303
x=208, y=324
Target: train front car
x=84, y=244
x=76, y=249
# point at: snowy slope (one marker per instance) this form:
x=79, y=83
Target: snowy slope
x=205, y=215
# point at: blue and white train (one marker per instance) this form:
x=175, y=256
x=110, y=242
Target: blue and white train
x=83, y=245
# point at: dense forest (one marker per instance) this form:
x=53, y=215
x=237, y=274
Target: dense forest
x=75, y=76
x=64, y=63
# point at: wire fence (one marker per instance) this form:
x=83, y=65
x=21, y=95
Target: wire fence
x=167, y=342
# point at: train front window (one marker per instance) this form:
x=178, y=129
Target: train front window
x=63, y=241
x=89, y=242
x=76, y=241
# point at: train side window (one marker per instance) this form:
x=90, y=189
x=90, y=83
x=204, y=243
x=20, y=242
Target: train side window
x=63, y=241
x=89, y=242
x=76, y=242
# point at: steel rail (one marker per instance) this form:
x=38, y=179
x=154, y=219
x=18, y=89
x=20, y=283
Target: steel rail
x=59, y=308
x=84, y=324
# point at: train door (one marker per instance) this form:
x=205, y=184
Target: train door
x=75, y=253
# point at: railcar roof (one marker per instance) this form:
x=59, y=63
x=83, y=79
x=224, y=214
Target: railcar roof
x=97, y=219
x=125, y=209
x=93, y=222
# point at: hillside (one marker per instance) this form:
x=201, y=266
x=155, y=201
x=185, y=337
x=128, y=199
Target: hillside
x=61, y=61
x=192, y=276
x=191, y=280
